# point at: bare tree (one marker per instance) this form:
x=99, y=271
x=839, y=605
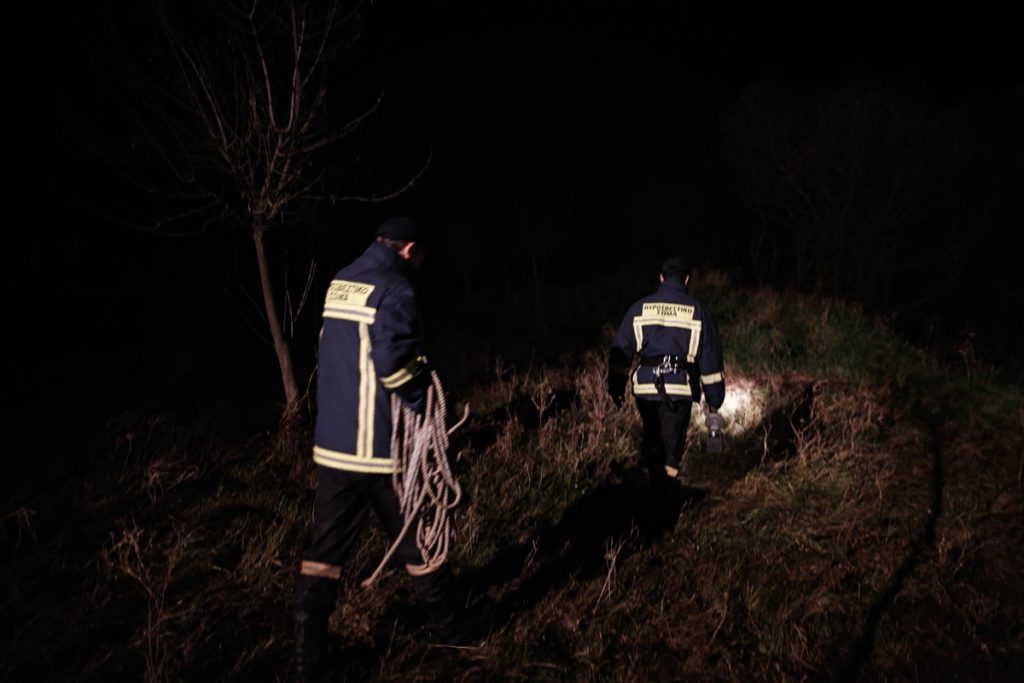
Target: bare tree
x=848, y=186
x=244, y=122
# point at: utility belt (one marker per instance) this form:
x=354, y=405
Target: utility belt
x=666, y=364
x=675, y=362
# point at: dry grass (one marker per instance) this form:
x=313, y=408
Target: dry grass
x=863, y=523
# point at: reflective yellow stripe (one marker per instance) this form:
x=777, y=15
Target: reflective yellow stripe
x=357, y=314
x=367, y=394
x=691, y=356
x=403, y=375
x=694, y=326
x=670, y=389
x=352, y=463
x=361, y=408
x=371, y=397
x=618, y=370
x=711, y=379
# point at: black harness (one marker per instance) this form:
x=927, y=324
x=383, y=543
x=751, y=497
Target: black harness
x=667, y=364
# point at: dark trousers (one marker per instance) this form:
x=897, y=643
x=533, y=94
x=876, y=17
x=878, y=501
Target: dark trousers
x=664, y=439
x=343, y=501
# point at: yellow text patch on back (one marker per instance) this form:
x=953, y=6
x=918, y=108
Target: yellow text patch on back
x=678, y=311
x=345, y=293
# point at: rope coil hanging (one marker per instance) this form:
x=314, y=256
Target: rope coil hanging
x=423, y=481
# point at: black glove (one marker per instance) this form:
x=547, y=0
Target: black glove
x=414, y=392
x=714, y=423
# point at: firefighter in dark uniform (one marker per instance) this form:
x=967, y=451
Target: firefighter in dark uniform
x=370, y=347
x=680, y=354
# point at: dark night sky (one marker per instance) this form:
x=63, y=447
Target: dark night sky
x=516, y=96
x=526, y=108
x=634, y=90
x=510, y=96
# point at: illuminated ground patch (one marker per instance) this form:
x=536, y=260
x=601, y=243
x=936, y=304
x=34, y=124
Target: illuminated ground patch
x=744, y=406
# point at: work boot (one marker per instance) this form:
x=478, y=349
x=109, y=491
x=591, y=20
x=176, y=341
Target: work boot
x=310, y=645
x=436, y=594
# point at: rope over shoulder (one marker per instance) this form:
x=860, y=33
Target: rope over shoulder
x=423, y=481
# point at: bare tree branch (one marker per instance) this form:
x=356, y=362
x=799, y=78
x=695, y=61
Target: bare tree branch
x=390, y=195
x=244, y=126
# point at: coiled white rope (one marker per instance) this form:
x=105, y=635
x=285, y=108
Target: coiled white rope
x=423, y=481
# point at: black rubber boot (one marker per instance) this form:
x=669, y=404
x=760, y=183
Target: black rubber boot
x=435, y=593
x=310, y=645
x=314, y=601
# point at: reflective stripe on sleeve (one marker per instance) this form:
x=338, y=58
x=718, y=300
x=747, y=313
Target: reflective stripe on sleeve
x=402, y=375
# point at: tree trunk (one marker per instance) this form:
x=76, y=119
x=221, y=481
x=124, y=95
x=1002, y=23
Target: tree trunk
x=281, y=348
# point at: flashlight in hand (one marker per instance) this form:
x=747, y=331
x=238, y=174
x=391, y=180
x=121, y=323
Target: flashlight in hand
x=716, y=442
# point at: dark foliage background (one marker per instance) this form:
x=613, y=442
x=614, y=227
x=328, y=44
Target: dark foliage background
x=153, y=510
x=869, y=155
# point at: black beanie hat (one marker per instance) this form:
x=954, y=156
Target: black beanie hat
x=675, y=266
x=400, y=228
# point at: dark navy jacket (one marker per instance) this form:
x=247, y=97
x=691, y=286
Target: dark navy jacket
x=669, y=322
x=370, y=346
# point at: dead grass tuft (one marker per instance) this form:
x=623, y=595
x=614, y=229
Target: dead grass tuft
x=863, y=522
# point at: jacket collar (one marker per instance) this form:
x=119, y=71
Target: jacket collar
x=673, y=284
x=383, y=257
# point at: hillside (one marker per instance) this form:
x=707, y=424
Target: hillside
x=863, y=524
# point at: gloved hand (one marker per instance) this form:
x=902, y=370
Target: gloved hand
x=716, y=441
x=414, y=392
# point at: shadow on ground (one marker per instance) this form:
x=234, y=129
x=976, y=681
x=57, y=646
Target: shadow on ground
x=622, y=512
